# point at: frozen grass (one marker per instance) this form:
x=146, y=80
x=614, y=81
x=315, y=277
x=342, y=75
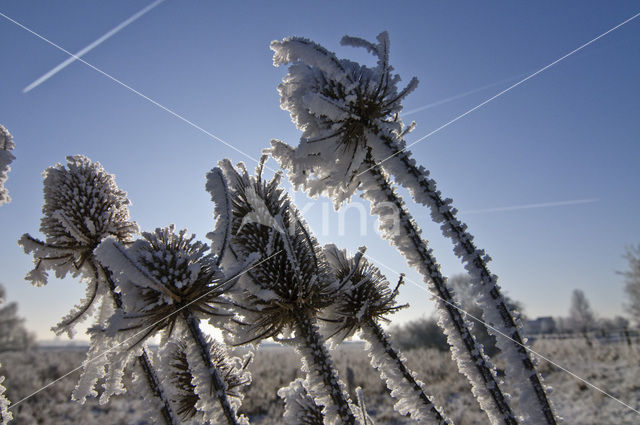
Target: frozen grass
x=612, y=367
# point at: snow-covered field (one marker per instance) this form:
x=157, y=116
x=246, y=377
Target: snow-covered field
x=614, y=368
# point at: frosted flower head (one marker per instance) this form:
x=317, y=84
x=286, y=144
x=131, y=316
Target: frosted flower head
x=179, y=376
x=82, y=206
x=366, y=296
x=162, y=274
x=6, y=158
x=338, y=104
x=287, y=274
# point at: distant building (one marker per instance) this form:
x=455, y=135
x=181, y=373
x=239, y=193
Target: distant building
x=540, y=325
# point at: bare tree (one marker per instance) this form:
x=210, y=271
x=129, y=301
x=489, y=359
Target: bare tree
x=580, y=313
x=13, y=335
x=632, y=282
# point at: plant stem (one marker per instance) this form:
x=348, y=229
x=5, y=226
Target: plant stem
x=373, y=333
x=485, y=383
x=144, y=361
x=315, y=352
x=524, y=368
x=217, y=383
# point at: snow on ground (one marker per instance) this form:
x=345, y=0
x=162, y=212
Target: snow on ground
x=614, y=368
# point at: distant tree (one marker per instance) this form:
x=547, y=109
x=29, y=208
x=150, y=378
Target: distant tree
x=13, y=334
x=581, y=315
x=420, y=333
x=614, y=324
x=632, y=283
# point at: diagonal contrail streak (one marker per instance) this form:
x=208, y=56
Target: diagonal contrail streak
x=131, y=89
x=62, y=65
x=460, y=95
x=532, y=206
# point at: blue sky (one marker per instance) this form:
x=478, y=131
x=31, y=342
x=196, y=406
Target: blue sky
x=570, y=133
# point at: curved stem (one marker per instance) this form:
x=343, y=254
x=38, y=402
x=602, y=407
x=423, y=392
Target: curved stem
x=373, y=333
x=217, y=383
x=144, y=361
x=484, y=382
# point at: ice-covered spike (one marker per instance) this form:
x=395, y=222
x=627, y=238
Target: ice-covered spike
x=219, y=190
x=294, y=49
x=6, y=158
x=82, y=311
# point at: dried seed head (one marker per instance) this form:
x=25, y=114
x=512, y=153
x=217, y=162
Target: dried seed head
x=161, y=274
x=82, y=206
x=290, y=277
x=365, y=296
x=339, y=105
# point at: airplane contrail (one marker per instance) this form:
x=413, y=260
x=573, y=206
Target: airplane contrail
x=531, y=206
x=91, y=46
x=460, y=95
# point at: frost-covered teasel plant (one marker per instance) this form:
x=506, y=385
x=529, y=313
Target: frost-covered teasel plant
x=282, y=295
x=376, y=187
x=169, y=283
x=83, y=206
x=349, y=115
x=6, y=158
x=367, y=300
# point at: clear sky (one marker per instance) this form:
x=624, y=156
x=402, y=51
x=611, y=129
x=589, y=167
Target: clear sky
x=566, y=141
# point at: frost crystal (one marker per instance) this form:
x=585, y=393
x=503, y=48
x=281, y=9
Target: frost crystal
x=6, y=158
